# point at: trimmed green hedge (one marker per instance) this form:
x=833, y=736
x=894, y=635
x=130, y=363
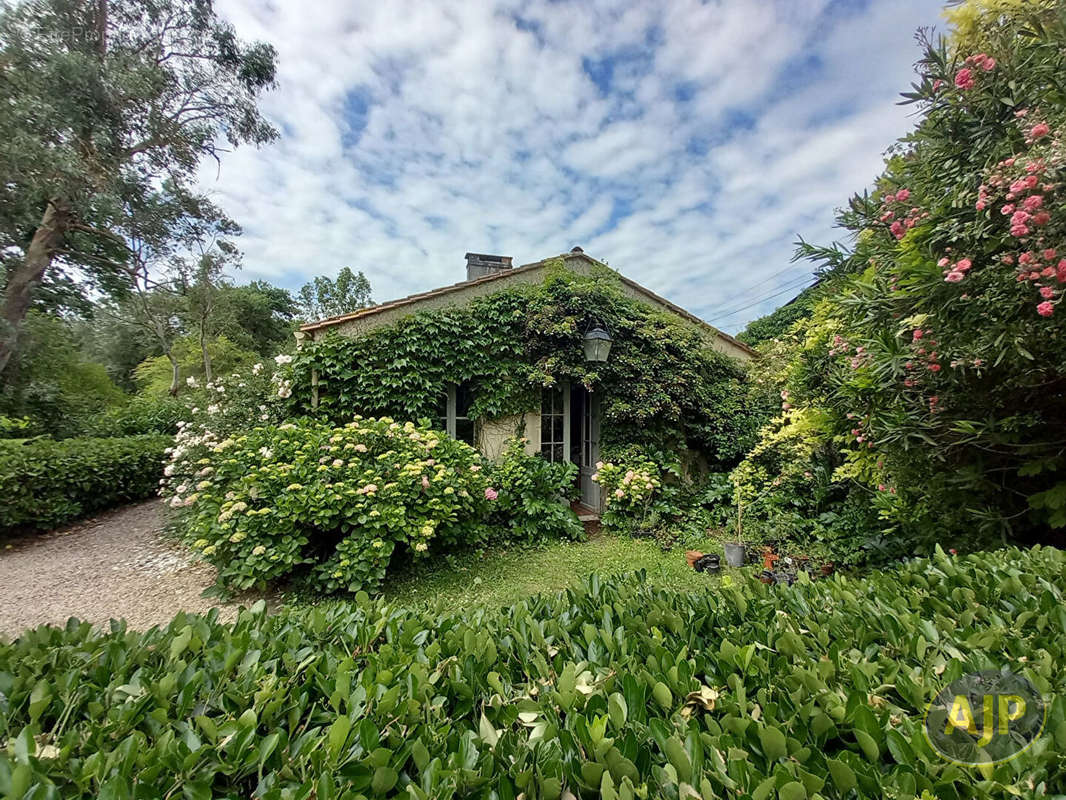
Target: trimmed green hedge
x=45, y=482
x=618, y=691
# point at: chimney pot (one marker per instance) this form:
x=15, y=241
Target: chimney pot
x=478, y=265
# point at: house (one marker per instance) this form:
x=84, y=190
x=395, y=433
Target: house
x=566, y=427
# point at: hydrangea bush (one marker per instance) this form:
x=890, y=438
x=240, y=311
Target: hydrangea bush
x=336, y=502
x=533, y=493
x=628, y=489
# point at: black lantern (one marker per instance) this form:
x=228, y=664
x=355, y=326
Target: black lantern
x=597, y=344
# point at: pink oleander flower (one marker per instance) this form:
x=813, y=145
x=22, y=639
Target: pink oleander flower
x=897, y=229
x=902, y=195
x=1047, y=292
x=490, y=493
x=1045, y=309
x=963, y=265
x=964, y=79
x=954, y=277
x=1039, y=131
x=1007, y=210
x=1033, y=202
x=1050, y=253
x=980, y=204
x=1041, y=218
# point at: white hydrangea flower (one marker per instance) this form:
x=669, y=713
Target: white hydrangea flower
x=282, y=359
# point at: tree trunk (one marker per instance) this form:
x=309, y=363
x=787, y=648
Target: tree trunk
x=101, y=28
x=206, y=355
x=175, y=374
x=19, y=293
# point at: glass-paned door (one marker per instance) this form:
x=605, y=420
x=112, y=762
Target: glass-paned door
x=555, y=424
x=590, y=450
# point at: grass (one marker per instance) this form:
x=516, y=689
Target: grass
x=501, y=576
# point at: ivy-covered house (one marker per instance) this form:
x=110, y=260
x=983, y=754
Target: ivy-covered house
x=566, y=352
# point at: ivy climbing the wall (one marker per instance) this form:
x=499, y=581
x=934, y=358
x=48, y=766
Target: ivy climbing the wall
x=663, y=385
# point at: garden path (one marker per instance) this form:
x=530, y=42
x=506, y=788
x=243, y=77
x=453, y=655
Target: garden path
x=117, y=564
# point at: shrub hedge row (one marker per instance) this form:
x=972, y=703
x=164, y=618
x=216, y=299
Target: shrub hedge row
x=45, y=482
x=615, y=691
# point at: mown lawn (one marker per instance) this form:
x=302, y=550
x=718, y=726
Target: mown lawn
x=500, y=576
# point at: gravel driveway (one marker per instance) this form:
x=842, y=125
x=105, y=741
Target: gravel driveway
x=114, y=565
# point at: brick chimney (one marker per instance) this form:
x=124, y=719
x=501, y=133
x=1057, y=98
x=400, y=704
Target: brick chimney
x=478, y=265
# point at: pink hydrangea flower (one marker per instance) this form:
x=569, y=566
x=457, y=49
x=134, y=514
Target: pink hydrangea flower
x=490, y=493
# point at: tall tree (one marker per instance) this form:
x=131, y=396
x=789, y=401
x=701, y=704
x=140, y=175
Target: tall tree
x=258, y=316
x=164, y=230
x=100, y=100
x=203, y=286
x=326, y=297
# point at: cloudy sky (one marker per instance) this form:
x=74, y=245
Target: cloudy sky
x=686, y=143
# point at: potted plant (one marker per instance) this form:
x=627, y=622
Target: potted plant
x=735, y=552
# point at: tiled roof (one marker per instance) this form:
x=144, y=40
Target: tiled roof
x=411, y=299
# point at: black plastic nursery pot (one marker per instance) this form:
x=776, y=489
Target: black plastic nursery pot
x=735, y=554
x=708, y=563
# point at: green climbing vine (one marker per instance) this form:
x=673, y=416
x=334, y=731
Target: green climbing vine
x=663, y=387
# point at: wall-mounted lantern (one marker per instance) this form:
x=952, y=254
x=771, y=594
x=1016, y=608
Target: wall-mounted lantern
x=597, y=343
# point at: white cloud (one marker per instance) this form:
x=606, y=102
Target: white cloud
x=688, y=146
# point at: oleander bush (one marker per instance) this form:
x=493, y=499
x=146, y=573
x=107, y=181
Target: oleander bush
x=617, y=690
x=330, y=504
x=44, y=482
x=923, y=398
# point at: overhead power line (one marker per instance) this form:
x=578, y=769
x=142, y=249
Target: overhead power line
x=760, y=300
x=744, y=293
x=720, y=310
